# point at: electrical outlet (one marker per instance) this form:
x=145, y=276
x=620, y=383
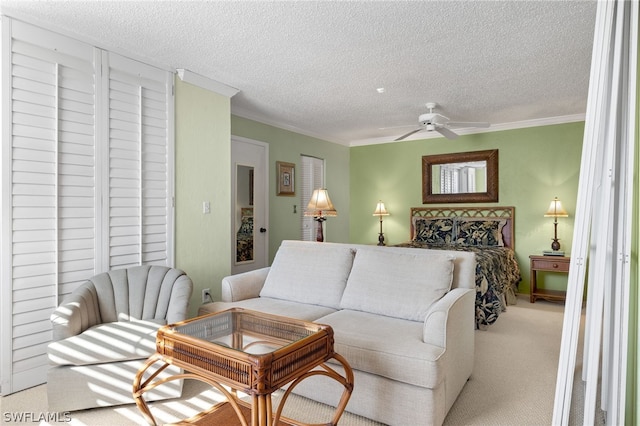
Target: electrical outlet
x=206, y=295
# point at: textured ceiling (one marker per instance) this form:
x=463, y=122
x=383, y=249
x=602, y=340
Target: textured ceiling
x=314, y=66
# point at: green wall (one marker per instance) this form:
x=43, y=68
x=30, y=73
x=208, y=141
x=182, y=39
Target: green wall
x=535, y=165
x=287, y=146
x=203, y=173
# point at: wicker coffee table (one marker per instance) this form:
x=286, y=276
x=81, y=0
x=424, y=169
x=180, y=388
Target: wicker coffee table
x=248, y=351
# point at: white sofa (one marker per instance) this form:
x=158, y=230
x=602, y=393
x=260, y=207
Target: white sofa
x=402, y=317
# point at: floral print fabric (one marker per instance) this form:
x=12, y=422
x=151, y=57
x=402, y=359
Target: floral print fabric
x=497, y=277
x=433, y=231
x=485, y=233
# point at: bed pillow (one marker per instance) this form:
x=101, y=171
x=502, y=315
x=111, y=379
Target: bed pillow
x=480, y=232
x=433, y=231
x=399, y=285
x=312, y=273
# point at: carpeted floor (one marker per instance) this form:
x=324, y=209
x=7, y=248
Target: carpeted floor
x=513, y=382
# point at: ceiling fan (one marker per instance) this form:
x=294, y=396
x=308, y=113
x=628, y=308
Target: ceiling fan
x=433, y=121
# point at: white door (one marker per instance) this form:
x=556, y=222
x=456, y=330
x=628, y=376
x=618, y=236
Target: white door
x=249, y=205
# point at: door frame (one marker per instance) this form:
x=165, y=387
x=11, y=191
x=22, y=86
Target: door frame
x=265, y=179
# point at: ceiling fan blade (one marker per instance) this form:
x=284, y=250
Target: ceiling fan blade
x=397, y=127
x=446, y=132
x=408, y=134
x=467, y=124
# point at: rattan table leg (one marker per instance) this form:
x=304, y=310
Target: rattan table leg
x=261, y=410
x=346, y=381
x=139, y=388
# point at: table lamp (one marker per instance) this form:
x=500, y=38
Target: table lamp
x=555, y=211
x=320, y=207
x=380, y=211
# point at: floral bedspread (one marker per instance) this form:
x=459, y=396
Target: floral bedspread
x=497, y=278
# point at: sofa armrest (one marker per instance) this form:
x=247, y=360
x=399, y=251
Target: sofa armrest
x=246, y=285
x=78, y=312
x=450, y=324
x=451, y=318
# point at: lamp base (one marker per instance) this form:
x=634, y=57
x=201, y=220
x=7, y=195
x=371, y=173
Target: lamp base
x=381, y=239
x=555, y=245
x=319, y=233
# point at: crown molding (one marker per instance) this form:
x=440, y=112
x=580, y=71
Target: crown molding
x=206, y=83
x=250, y=116
x=538, y=122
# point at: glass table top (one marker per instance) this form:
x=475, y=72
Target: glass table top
x=247, y=331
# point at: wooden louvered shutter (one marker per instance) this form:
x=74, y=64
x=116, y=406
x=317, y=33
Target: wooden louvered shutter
x=48, y=190
x=87, y=180
x=140, y=184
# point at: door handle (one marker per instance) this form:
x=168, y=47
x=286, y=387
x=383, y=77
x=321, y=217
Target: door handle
x=263, y=230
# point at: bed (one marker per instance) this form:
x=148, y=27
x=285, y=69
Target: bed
x=244, y=236
x=486, y=231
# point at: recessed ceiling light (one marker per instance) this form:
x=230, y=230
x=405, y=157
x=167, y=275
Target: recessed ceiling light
x=380, y=89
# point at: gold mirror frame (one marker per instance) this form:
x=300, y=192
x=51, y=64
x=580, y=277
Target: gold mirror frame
x=490, y=156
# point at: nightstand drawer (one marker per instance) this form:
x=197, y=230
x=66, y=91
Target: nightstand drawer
x=547, y=264
x=550, y=265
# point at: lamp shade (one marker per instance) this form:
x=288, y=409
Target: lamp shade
x=380, y=210
x=556, y=209
x=320, y=204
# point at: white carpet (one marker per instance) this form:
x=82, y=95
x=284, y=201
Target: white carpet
x=513, y=382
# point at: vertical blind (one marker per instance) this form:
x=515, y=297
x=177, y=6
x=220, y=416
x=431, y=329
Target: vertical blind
x=87, y=180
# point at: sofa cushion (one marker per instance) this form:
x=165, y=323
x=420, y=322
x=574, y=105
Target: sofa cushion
x=287, y=308
x=388, y=347
x=397, y=284
x=106, y=343
x=309, y=273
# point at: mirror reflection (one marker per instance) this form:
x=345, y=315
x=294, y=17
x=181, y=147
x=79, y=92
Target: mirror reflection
x=462, y=177
x=244, y=214
x=459, y=178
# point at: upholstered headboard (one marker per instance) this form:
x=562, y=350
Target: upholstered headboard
x=489, y=212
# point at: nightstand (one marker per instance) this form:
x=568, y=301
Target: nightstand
x=547, y=264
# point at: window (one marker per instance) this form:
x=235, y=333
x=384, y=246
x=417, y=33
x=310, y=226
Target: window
x=312, y=177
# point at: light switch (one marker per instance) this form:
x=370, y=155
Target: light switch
x=206, y=207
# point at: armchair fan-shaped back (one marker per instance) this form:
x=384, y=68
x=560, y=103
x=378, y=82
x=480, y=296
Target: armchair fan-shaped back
x=147, y=296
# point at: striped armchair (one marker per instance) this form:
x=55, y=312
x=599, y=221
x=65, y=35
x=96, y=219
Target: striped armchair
x=105, y=330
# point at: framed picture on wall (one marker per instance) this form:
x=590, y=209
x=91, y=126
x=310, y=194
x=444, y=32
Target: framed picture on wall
x=286, y=178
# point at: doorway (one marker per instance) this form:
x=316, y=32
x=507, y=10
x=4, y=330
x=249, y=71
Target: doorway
x=249, y=205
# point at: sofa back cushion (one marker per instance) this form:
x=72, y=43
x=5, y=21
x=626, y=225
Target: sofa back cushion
x=309, y=272
x=397, y=284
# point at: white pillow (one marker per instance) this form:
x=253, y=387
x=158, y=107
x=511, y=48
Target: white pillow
x=309, y=273
x=400, y=285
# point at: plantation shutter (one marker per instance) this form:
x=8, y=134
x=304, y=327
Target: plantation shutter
x=312, y=177
x=49, y=166
x=140, y=188
x=87, y=180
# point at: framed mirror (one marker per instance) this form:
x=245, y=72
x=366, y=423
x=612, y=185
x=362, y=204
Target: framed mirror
x=244, y=214
x=464, y=177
